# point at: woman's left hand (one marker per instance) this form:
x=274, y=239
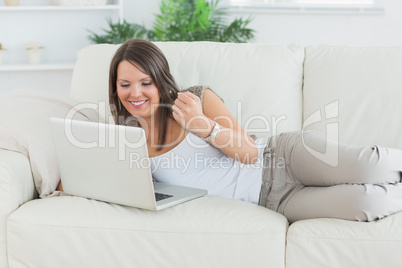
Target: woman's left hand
x=187, y=111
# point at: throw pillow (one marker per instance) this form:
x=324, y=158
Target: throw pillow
x=25, y=128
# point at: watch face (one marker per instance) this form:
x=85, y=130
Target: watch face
x=215, y=132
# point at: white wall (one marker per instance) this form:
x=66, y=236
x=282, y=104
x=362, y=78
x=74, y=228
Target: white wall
x=64, y=33
x=357, y=29
x=343, y=29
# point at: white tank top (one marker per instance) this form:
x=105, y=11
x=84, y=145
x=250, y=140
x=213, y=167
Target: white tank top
x=195, y=163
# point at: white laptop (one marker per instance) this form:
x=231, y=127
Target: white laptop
x=110, y=163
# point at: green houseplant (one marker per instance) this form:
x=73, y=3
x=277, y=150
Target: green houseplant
x=120, y=32
x=182, y=20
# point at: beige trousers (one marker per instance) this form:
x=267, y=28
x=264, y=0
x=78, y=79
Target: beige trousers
x=307, y=176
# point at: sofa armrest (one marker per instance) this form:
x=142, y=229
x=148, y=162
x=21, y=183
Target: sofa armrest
x=16, y=187
x=16, y=182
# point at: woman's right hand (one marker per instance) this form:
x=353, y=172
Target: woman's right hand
x=199, y=118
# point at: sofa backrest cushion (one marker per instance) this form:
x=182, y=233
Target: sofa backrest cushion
x=90, y=79
x=260, y=83
x=356, y=90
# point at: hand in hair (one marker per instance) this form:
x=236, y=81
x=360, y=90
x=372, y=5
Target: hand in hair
x=187, y=111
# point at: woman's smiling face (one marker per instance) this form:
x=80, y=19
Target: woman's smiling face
x=136, y=90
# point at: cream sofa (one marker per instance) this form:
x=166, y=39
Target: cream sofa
x=349, y=93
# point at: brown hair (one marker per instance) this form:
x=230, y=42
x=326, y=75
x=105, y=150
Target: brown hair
x=148, y=57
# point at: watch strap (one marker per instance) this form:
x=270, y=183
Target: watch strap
x=214, y=133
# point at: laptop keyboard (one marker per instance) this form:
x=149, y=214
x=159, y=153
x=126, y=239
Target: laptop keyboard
x=160, y=196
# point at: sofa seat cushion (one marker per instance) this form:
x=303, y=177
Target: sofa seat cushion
x=71, y=231
x=339, y=243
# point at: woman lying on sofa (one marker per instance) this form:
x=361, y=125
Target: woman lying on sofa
x=195, y=127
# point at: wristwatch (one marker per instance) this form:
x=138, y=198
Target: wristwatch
x=214, y=133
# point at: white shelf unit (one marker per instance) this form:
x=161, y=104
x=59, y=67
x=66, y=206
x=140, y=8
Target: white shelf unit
x=52, y=8
x=63, y=30
x=38, y=67
x=57, y=8
x=118, y=7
